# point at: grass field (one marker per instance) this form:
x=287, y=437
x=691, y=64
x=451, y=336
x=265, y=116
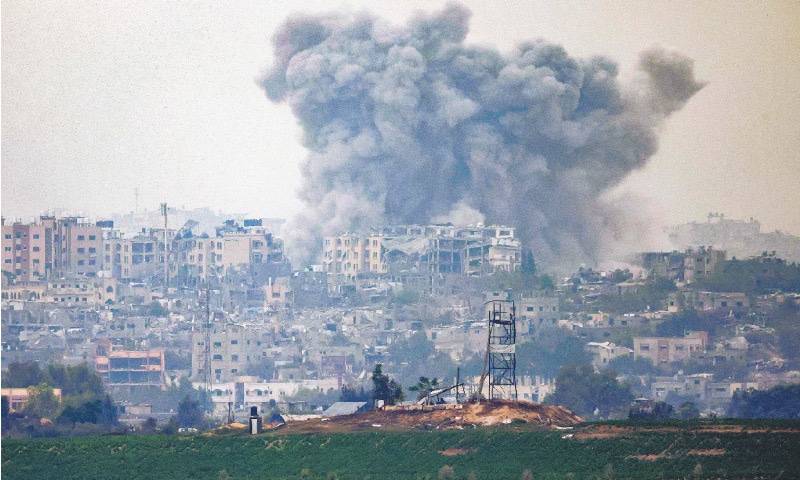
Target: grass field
x=699, y=449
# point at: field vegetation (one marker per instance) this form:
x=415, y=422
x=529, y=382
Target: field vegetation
x=667, y=449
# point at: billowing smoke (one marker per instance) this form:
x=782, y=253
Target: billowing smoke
x=410, y=125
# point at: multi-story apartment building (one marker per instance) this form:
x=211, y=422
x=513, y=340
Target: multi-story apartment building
x=18, y=398
x=56, y=247
x=232, y=347
x=683, y=266
x=663, y=351
x=347, y=256
x=74, y=291
x=710, y=301
x=194, y=258
x=136, y=258
x=78, y=244
x=129, y=368
x=278, y=294
x=604, y=352
x=437, y=250
x=259, y=394
x=247, y=245
x=537, y=313
x=234, y=250
x=28, y=250
x=701, y=263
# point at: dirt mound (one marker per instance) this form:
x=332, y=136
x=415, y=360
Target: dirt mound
x=437, y=417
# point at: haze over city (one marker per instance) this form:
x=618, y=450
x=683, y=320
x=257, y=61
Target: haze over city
x=107, y=108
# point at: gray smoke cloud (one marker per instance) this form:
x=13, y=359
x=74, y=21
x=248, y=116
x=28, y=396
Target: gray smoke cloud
x=407, y=125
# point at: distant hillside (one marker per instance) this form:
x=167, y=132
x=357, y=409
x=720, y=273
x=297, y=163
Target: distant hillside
x=741, y=239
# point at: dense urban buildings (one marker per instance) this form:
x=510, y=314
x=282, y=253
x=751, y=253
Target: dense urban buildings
x=221, y=310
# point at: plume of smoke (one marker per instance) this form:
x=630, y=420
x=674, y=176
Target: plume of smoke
x=408, y=125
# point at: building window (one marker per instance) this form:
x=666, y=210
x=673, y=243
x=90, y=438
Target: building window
x=80, y=237
x=36, y=236
x=234, y=358
x=234, y=342
x=92, y=237
x=217, y=357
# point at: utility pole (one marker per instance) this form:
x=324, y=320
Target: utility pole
x=207, y=343
x=166, y=262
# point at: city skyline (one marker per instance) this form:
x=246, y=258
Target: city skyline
x=102, y=101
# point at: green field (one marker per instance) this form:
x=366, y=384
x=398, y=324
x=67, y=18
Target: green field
x=721, y=449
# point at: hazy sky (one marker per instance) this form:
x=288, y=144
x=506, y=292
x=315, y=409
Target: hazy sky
x=100, y=99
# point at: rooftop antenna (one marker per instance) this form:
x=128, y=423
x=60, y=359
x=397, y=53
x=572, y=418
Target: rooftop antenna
x=166, y=263
x=207, y=344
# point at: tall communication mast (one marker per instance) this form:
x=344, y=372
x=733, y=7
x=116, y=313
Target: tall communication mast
x=500, y=362
x=166, y=249
x=207, y=345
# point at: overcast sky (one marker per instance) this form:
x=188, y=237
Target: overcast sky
x=101, y=99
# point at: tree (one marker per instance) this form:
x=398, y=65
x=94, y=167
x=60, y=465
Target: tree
x=6, y=408
x=528, y=269
x=42, y=402
x=688, y=410
x=384, y=389
x=263, y=368
x=190, y=414
x=547, y=283
x=619, y=276
x=174, y=361
x=546, y=354
x=416, y=350
x=157, y=310
x=348, y=394
x=89, y=412
x=22, y=375
x=75, y=380
x=424, y=387
x=108, y=413
x=585, y=392
x=782, y=401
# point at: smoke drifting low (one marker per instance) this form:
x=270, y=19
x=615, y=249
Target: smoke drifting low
x=410, y=125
